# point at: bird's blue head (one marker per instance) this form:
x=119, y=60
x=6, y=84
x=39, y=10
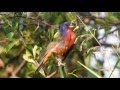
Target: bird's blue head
x=64, y=27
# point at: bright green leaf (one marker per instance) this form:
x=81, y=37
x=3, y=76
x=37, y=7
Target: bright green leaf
x=14, y=23
x=10, y=46
x=35, y=50
x=10, y=35
x=42, y=72
x=91, y=71
x=29, y=47
x=56, y=34
x=28, y=57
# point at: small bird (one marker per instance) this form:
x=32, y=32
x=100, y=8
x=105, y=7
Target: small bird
x=66, y=41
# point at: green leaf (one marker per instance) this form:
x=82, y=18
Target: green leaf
x=10, y=35
x=38, y=51
x=69, y=16
x=28, y=57
x=42, y=72
x=91, y=71
x=7, y=28
x=56, y=35
x=35, y=50
x=14, y=23
x=10, y=46
x=29, y=47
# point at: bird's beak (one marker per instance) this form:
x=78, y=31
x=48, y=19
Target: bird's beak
x=71, y=26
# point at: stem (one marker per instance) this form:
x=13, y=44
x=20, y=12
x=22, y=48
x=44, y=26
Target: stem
x=116, y=62
x=89, y=30
x=52, y=74
x=18, y=69
x=62, y=71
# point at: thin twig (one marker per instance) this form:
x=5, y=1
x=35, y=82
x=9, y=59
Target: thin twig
x=43, y=22
x=93, y=37
x=109, y=33
x=61, y=68
x=116, y=62
x=3, y=41
x=52, y=74
x=19, y=68
x=73, y=75
x=89, y=30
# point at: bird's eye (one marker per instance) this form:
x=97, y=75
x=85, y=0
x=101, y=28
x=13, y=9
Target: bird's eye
x=67, y=24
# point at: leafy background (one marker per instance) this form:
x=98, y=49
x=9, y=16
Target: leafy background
x=24, y=37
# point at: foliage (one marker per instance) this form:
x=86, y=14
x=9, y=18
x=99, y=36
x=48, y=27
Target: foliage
x=24, y=37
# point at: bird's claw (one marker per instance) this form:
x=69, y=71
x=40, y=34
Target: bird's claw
x=61, y=64
x=60, y=61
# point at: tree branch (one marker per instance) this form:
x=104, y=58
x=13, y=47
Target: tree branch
x=108, y=34
x=18, y=69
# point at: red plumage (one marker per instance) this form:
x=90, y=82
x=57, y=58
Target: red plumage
x=66, y=42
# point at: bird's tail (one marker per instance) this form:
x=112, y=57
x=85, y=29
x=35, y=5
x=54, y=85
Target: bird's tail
x=43, y=61
x=39, y=67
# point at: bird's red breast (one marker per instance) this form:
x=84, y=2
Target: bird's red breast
x=66, y=42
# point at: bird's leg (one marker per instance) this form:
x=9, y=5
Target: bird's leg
x=61, y=67
x=59, y=59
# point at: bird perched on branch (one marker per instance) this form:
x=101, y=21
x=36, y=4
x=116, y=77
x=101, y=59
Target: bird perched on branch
x=66, y=41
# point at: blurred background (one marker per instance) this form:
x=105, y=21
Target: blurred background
x=24, y=37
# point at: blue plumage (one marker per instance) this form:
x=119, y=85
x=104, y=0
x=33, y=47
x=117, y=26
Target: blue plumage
x=63, y=28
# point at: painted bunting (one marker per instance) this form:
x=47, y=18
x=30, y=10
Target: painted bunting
x=66, y=41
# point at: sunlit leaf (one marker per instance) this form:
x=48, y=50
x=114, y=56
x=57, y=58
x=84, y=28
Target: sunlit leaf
x=28, y=57
x=42, y=72
x=38, y=51
x=81, y=46
x=10, y=46
x=35, y=50
x=92, y=48
x=56, y=35
x=10, y=35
